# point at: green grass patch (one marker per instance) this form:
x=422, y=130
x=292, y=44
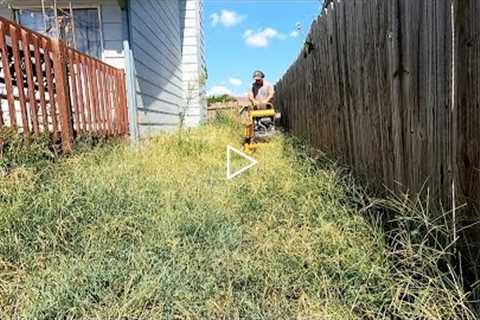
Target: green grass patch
x=157, y=232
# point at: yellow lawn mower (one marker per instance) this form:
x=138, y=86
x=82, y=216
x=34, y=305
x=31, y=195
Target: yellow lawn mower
x=259, y=126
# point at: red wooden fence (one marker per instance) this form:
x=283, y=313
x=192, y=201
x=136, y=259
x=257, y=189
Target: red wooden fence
x=50, y=88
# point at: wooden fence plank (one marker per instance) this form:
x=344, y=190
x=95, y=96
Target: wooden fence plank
x=73, y=89
x=40, y=82
x=123, y=101
x=81, y=99
x=31, y=88
x=96, y=100
x=14, y=34
x=8, y=77
x=51, y=88
x=466, y=117
x=88, y=95
x=99, y=98
x=109, y=101
x=61, y=90
x=116, y=98
x=102, y=94
x=108, y=109
x=120, y=93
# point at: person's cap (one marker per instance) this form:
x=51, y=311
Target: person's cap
x=257, y=75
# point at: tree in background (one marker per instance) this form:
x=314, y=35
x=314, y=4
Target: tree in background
x=220, y=99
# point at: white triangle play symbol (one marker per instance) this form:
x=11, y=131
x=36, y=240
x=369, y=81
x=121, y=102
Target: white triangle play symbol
x=232, y=175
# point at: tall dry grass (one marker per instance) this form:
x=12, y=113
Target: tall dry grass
x=157, y=232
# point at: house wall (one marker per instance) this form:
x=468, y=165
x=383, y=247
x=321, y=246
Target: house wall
x=114, y=34
x=193, y=61
x=5, y=11
x=157, y=60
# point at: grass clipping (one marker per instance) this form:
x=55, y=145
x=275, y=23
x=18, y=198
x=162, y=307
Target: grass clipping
x=157, y=232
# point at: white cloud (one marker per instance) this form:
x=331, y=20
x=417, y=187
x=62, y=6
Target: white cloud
x=231, y=18
x=294, y=34
x=227, y=18
x=218, y=91
x=235, y=82
x=215, y=19
x=261, y=38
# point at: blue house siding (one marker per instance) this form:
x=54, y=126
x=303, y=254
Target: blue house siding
x=157, y=57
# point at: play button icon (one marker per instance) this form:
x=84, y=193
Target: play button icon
x=231, y=175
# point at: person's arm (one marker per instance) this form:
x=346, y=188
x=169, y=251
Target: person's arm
x=251, y=97
x=269, y=98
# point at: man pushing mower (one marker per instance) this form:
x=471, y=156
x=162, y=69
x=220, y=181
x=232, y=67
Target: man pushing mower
x=262, y=92
x=260, y=116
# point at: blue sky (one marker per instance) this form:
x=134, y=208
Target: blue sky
x=244, y=35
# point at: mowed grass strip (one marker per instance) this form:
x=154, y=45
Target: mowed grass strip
x=157, y=232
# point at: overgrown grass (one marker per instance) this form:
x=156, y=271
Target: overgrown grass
x=40, y=152
x=157, y=232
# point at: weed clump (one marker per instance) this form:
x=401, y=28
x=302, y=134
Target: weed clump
x=15, y=152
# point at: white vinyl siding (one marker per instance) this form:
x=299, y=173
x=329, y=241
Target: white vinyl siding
x=193, y=62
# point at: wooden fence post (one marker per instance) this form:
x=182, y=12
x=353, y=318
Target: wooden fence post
x=62, y=93
x=123, y=97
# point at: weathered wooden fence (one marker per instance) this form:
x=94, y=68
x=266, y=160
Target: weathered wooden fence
x=47, y=87
x=391, y=88
x=465, y=116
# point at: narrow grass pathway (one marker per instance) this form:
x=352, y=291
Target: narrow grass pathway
x=159, y=233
